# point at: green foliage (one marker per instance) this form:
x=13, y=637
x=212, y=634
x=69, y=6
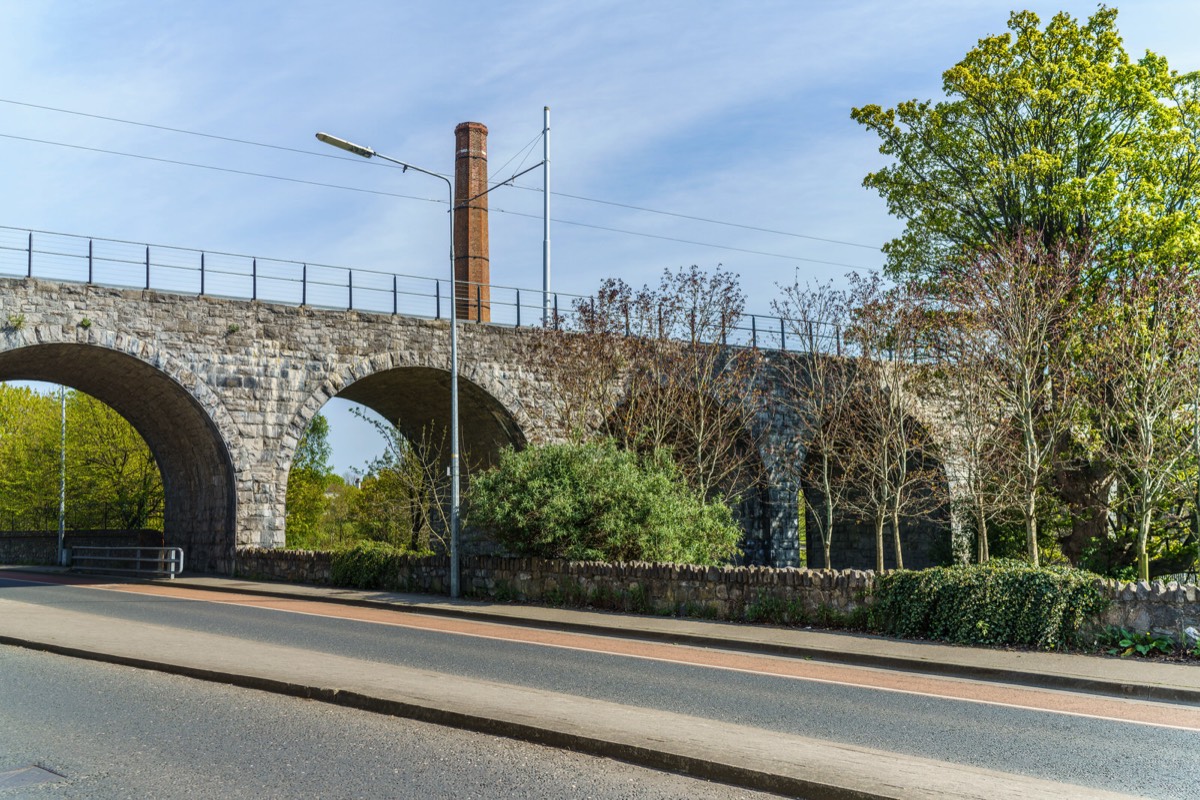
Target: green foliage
x=405, y=493
x=113, y=480
x=371, y=565
x=1121, y=642
x=594, y=501
x=999, y=603
x=1049, y=129
x=380, y=511
x=698, y=610
x=15, y=322
x=308, y=481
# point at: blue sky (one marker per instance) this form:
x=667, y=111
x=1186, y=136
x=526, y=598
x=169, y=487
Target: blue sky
x=737, y=112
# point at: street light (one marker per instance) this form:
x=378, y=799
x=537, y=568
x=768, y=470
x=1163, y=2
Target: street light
x=367, y=152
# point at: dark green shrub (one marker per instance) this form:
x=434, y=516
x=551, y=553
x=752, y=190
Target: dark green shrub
x=370, y=565
x=1002, y=602
x=594, y=501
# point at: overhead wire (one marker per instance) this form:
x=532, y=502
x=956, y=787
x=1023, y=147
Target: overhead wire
x=616, y=204
x=524, y=150
x=702, y=219
x=691, y=242
x=574, y=223
x=175, y=162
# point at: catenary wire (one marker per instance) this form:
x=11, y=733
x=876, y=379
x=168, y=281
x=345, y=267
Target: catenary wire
x=857, y=267
x=702, y=219
x=220, y=169
x=431, y=200
x=582, y=198
x=524, y=151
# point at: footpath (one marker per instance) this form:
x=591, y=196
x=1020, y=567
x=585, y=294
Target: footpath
x=1118, y=677
x=739, y=755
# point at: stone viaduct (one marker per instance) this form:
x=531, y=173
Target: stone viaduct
x=221, y=390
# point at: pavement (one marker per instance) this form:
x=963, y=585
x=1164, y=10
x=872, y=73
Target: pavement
x=1117, y=677
x=729, y=753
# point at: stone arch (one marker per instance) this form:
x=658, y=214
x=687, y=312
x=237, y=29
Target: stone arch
x=176, y=413
x=765, y=514
x=414, y=394
x=925, y=539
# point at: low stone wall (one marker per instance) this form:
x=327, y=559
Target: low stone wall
x=41, y=547
x=1168, y=608
x=719, y=592
x=715, y=592
x=292, y=566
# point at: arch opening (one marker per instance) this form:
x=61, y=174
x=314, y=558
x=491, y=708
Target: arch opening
x=198, y=476
x=717, y=450
x=925, y=531
x=402, y=495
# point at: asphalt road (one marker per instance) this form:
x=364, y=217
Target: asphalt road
x=1142, y=759
x=115, y=732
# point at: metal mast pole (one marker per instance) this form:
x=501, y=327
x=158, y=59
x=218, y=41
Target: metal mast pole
x=546, y=217
x=454, y=467
x=62, y=471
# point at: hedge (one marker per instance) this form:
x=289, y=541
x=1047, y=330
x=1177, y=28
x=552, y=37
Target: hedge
x=1003, y=602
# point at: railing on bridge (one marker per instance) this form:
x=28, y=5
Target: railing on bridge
x=163, y=268
x=140, y=562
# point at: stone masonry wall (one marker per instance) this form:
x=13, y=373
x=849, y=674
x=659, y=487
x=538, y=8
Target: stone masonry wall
x=719, y=592
x=41, y=548
x=222, y=391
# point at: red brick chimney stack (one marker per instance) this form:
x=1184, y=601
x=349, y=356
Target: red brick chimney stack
x=471, y=273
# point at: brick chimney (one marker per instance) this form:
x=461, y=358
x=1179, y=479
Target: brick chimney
x=471, y=273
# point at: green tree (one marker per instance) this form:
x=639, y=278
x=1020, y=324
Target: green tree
x=113, y=480
x=337, y=524
x=404, y=497
x=308, y=481
x=1055, y=131
x=1146, y=352
x=112, y=477
x=29, y=453
x=594, y=501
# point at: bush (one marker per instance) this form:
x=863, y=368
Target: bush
x=594, y=501
x=1002, y=602
x=370, y=565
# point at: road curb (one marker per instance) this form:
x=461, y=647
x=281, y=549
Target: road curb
x=707, y=769
x=1042, y=680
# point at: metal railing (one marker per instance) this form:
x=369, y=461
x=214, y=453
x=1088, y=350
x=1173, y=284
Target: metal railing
x=141, y=562
x=72, y=258
x=96, y=518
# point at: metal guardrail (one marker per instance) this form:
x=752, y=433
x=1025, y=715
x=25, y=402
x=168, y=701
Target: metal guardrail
x=141, y=562
x=71, y=258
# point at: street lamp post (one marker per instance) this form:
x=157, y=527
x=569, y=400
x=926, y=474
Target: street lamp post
x=367, y=152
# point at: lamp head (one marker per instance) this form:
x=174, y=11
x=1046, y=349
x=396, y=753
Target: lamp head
x=349, y=147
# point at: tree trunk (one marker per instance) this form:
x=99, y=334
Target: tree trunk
x=981, y=532
x=827, y=534
x=896, y=538
x=1142, y=539
x=1031, y=542
x=879, y=519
